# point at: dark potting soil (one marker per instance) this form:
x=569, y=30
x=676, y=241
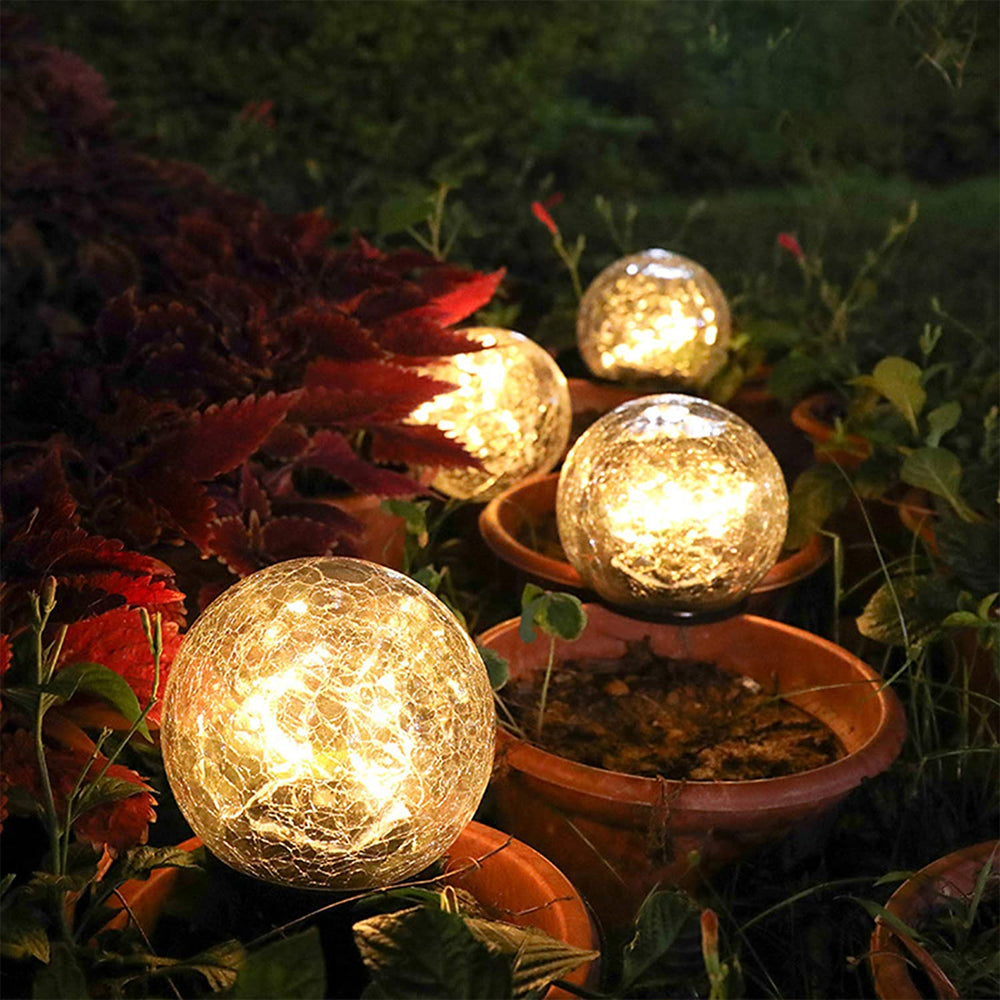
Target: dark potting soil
x=682, y=719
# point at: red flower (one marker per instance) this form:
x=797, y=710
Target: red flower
x=541, y=212
x=258, y=111
x=788, y=242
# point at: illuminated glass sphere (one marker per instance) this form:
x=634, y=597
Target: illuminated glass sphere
x=327, y=723
x=651, y=315
x=671, y=503
x=511, y=410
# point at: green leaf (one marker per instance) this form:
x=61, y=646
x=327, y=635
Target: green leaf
x=496, y=666
x=923, y=602
x=138, y=862
x=941, y=420
x=425, y=952
x=414, y=514
x=106, y=789
x=62, y=978
x=289, y=969
x=794, y=375
x=538, y=957
x=666, y=946
x=938, y=471
x=963, y=619
x=23, y=934
x=103, y=683
x=409, y=207
x=970, y=550
x=562, y=615
x=531, y=601
x=219, y=964
x=818, y=493
x=899, y=381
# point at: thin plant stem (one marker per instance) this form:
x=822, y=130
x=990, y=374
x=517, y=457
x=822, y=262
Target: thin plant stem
x=543, y=697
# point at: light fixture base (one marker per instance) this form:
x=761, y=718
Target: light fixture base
x=664, y=616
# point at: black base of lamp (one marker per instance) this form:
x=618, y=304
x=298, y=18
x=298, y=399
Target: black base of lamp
x=664, y=616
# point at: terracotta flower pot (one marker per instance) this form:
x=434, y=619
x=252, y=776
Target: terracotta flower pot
x=617, y=836
x=893, y=953
x=811, y=416
x=502, y=873
x=531, y=501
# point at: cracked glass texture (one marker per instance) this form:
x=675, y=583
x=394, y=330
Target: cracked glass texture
x=328, y=724
x=671, y=503
x=511, y=410
x=654, y=314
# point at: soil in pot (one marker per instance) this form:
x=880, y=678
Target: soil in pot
x=681, y=719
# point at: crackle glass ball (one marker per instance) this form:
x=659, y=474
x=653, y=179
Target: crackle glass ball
x=671, y=503
x=654, y=315
x=510, y=408
x=328, y=723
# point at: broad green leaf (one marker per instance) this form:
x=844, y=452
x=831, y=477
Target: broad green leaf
x=425, y=952
x=794, y=375
x=138, y=862
x=408, y=207
x=938, y=471
x=562, y=615
x=963, y=619
x=666, y=946
x=103, y=683
x=923, y=604
x=23, y=935
x=538, y=957
x=496, y=666
x=818, y=493
x=219, y=964
x=531, y=601
x=62, y=978
x=106, y=789
x=414, y=514
x=970, y=550
x=899, y=381
x=288, y=969
x=941, y=420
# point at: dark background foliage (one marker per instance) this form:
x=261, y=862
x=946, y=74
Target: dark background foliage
x=725, y=122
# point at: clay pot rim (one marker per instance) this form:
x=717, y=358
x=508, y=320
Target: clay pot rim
x=803, y=416
x=915, y=897
x=825, y=782
x=797, y=566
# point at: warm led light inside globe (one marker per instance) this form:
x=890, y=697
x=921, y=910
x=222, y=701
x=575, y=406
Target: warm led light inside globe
x=671, y=503
x=511, y=409
x=328, y=723
x=654, y=314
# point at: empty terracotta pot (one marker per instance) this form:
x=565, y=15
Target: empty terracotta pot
x=618, y=836
x=508, y=517
x=893, y=954
x=504, y=875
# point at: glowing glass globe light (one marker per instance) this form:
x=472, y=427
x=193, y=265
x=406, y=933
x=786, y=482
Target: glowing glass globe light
x=511, y=409
x=654, y=314
x=671, y=504
x=327, y=723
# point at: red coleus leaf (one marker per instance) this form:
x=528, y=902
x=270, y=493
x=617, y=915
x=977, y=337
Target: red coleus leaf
x=180, y=503
x=5, y=653
x=218, y=439
x=116, y=640
x=119, y=825
x=322, y=407
x=291, y=537
x=41, y=494
x=418, y=335
x=420, y=445
x=324, y=511
x=329, y=333
x=111, y=590
x=252, y=497
x=230, y=543
x=333, y=455
x=391, y=386
x=287, y=440
x=466, y=297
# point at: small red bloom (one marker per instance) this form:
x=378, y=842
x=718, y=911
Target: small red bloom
x=541, y=213
x=788, y=242
x=258, y=111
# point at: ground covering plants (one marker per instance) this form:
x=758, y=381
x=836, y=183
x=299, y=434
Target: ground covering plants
x=782, y=145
